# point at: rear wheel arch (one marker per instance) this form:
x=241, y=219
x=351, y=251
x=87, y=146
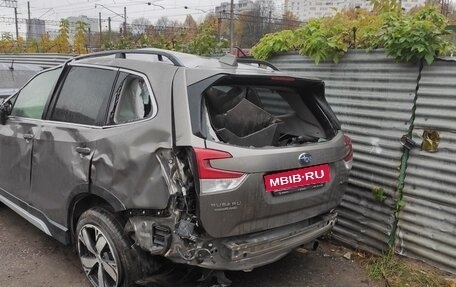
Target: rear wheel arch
x=83, y=200
x=95, y=212
x=80, y=204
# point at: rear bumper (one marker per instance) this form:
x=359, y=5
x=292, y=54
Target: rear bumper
x=258, y=249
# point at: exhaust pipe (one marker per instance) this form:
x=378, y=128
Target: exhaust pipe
x=313, y=245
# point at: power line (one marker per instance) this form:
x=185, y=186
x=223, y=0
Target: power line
x=243, y=17
x=12, y=4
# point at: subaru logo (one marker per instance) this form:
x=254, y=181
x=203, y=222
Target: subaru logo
x=304, y=158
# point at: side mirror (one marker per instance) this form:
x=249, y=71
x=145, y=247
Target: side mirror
x=5, y=110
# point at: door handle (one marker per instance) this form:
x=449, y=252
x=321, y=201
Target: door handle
x=28, y=137
x=83, y=150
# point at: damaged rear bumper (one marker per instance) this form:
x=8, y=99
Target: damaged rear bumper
x=251, y=251
x=247, y=252
x=244, y=252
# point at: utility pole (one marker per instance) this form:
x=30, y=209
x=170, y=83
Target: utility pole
x=12, y=4
x=17, y=26
x=123, y=29
x=99, y=22
x=109, y=29
x=231, y=26
x=89, y=50
x=29, y=24
x=125, y=21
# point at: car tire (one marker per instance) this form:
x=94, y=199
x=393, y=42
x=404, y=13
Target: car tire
x=101, y=242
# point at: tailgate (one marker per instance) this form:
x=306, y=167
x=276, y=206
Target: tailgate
x=270, y=194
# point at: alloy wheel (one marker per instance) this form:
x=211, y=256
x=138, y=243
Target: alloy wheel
x=98, y=258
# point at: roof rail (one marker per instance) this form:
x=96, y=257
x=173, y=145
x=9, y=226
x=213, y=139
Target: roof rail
x=248, y=60
x=122, y=55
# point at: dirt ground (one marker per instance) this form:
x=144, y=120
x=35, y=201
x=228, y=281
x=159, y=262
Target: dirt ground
x=30, y=258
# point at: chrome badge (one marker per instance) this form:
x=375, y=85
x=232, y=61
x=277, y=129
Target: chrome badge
x=304, y=158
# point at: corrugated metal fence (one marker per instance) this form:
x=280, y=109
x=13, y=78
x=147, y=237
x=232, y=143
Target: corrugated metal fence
x=373, y=97
x=427, y=222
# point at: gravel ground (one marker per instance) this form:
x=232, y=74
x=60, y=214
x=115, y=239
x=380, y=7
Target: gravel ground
x=30, y=258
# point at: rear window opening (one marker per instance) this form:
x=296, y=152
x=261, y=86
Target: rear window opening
x=266, y=112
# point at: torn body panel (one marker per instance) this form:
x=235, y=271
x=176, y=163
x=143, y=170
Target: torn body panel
x=178, y=221
x=126, y=160
x=129, y=167
x=180, y=237
x=245, y=252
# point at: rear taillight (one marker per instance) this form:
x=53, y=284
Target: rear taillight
x=206, y=171
x=348, y=159
x=214, y=179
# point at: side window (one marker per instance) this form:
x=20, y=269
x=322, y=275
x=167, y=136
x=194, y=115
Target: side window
x=133, y=100
x=84, y=96
x=30, y=101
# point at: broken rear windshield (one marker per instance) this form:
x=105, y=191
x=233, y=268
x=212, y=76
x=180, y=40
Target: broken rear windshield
x=262, y=115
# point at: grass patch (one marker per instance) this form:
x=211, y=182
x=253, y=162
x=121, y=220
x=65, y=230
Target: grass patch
x=397, y=272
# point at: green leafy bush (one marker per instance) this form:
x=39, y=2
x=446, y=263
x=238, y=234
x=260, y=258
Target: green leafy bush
x=405, y=37
x=205, y=42
x=324, y=39
x=275, y=43
x=415, y=37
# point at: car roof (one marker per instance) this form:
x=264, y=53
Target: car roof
x=203, y=66
x=170, y=57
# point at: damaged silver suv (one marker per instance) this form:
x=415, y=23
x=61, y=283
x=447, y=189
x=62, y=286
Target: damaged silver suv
x=138, y=155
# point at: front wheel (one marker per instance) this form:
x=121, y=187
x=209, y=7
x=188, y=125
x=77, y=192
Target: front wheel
x=105, y=252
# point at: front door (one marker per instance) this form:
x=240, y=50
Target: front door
x=64, y=149
x=18, y=136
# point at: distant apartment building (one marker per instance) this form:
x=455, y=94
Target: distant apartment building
x=308, y=9
x=35, y=29
x=239, y=7
x=409, y=4
x=92, y=23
